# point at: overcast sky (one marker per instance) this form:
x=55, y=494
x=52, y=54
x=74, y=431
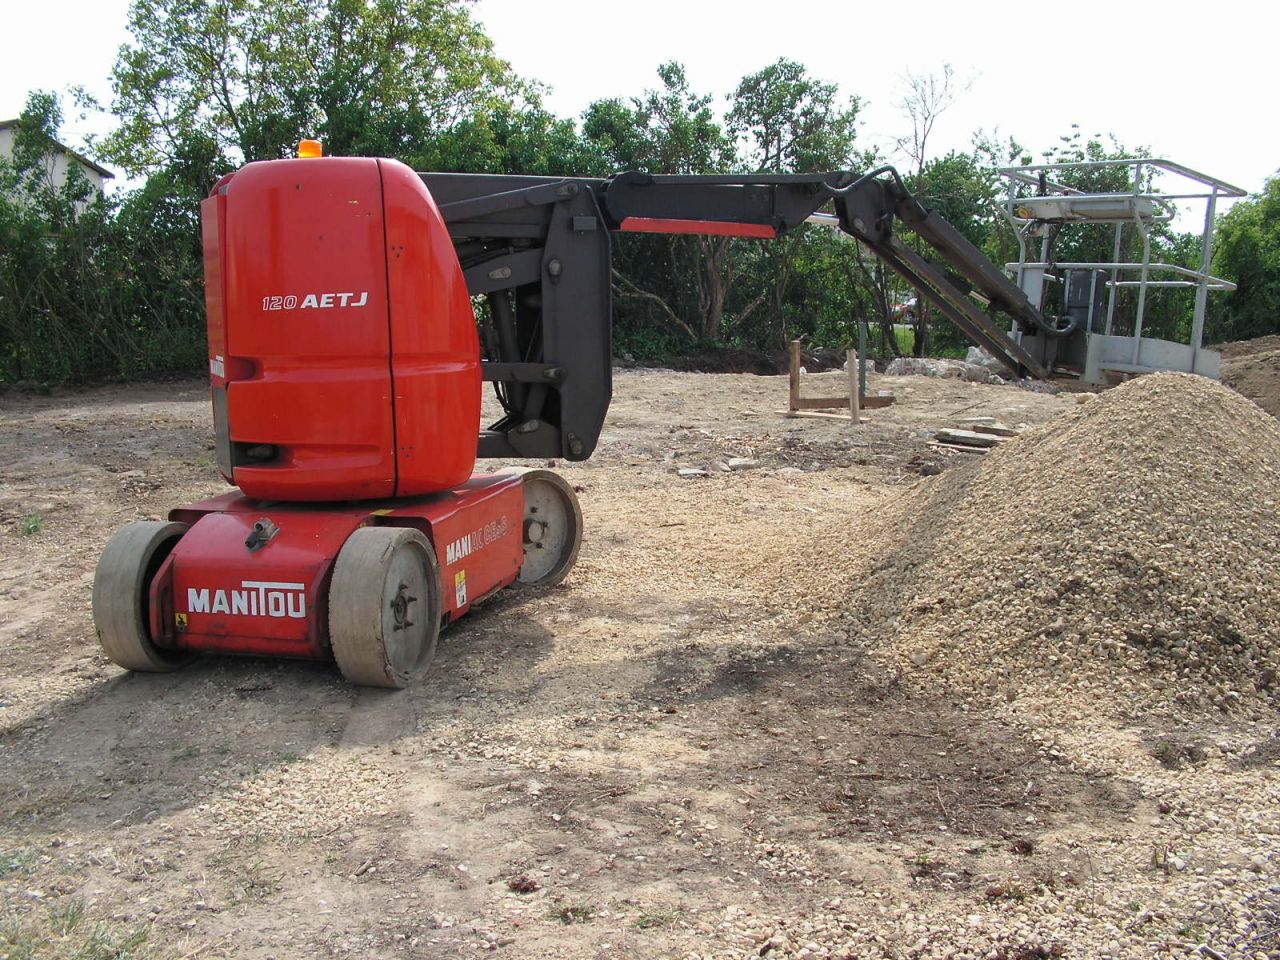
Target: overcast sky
x=1197, y=87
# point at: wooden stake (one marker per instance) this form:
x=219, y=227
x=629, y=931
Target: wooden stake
x=795, y=375
x=855, y=388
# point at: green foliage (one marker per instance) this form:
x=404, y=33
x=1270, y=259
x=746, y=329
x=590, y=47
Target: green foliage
x=251, y=77
x=15, y=861
x=657, y=918
x=1248, y=253
x=677, y=284
x=89, y=288
x=792, y=123
x=104, y=288
x=788, y=122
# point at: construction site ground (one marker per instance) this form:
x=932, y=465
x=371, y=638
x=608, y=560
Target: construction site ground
x=1253, y=368
x=668, y=755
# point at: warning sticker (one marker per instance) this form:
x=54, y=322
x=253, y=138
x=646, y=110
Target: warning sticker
x=181, y=620
x=460, y=588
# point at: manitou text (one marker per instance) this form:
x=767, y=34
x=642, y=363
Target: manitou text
x=255, y=598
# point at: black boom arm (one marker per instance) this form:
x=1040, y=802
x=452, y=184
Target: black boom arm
x=537, y=249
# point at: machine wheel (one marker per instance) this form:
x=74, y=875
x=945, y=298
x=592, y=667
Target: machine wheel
x=552, y=528
x=121, y=586
x=384, y=606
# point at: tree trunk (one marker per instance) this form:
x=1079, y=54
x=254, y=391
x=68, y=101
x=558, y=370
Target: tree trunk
x=714, y=281
x=920, y=327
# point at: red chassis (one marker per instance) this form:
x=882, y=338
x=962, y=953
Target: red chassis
x=368, y=584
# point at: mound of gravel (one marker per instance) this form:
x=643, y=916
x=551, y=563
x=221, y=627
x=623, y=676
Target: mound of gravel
x=1130, y=548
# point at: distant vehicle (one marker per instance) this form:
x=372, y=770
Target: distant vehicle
x=905, y=312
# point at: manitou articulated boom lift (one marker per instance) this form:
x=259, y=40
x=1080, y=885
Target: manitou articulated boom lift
x=347, y=365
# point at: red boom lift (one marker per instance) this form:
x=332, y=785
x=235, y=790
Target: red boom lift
x=347, y=363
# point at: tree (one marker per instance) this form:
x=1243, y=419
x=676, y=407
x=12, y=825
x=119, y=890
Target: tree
x=927, y=97
x=76, y=286
x=515, y=139
x=1248, y=253
x=788, y=122
x=370, y=77
x=682, y=280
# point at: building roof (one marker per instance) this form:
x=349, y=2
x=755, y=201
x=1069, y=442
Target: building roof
x=74, y=154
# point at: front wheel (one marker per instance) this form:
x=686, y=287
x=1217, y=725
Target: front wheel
x=384, y=607
x=121, y=595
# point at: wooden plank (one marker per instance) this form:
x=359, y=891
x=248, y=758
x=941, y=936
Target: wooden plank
x=989, y=425
x=959, y=448
x=855, y=401
x=818, y=415
x=819, y=403
x=969, y=438
x=829, y=403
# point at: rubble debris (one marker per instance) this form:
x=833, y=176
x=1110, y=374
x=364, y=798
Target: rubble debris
x=933, y=367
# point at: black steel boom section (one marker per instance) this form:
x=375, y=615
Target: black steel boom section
x=538, y=250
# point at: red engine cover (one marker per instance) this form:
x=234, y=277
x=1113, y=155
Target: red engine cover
x=343, y=348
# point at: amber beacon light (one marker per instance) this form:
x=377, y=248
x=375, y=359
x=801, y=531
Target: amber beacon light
x=310, y=148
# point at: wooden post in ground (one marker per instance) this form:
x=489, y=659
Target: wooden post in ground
x=795, y=375
x=855, y=387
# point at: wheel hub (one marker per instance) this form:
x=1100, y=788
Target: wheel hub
x=400, y=607
x=534, y=530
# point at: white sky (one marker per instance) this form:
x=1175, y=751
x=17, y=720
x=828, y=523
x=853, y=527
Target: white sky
x=1197, y=87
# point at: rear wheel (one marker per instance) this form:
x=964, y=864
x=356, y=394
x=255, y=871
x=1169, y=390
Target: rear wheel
x=552, y=528
x=384, y=607
x=121, y=595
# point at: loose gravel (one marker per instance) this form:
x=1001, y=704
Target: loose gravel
x=1128, y=552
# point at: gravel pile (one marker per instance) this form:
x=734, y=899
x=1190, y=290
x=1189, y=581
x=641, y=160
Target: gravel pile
x=1130, y=548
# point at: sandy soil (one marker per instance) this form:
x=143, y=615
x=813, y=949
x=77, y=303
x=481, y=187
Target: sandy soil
x=660, y=757
x=1252, y=367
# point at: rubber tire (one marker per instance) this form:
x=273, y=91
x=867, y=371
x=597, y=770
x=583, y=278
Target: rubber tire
x=121, y=587
x=360, y=594
x=556, y=485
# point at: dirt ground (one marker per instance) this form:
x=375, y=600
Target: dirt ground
x=1252, y=367
x=661, y=757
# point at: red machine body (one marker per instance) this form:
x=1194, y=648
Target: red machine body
x=346, y=376
x=217, y=593
x=343, y=351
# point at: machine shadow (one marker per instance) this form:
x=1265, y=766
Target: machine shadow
x=137, y=747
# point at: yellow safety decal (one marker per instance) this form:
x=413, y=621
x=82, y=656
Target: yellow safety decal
x=460, y=588
x=181, y=620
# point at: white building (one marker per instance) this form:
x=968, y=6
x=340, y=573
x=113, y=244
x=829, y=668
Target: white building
x=60, y=161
